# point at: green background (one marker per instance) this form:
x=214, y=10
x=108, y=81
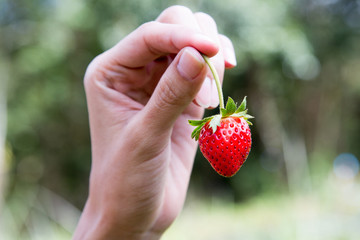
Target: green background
x=298, y=64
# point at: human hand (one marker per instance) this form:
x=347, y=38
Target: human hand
x=140, y=96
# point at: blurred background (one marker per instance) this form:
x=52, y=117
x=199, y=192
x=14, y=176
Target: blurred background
x=298, y=63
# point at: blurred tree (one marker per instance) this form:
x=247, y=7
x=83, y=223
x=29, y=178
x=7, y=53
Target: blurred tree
x=297, y=62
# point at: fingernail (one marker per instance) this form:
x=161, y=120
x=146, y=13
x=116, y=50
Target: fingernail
x=203, y=98
x=190, y=64
x=214, y=95
x=230, y=56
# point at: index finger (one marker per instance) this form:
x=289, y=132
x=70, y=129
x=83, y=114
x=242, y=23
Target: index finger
x=153, y=39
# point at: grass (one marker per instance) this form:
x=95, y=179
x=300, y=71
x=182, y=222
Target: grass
x=331, y=210
x=35, y=213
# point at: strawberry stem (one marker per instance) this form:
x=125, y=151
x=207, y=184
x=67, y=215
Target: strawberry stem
x=217, y=81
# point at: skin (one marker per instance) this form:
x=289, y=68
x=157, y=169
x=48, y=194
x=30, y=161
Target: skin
x=140, y=95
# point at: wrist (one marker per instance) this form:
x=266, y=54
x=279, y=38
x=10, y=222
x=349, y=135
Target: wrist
x=95, y=224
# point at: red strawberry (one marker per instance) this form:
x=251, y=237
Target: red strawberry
x=227, y=148
x=225, y=140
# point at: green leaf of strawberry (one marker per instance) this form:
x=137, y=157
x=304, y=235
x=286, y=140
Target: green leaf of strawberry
x=215, y=122
x=195, y=134
x=199, y=122
x=230, y=108
x=242, y=106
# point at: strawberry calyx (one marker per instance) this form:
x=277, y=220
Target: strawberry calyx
x=231, y=110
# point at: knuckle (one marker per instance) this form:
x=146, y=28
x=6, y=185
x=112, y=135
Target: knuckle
x=91, y=70
x=149, y=34
x=176, y=10
x=175, y=14
x=100, y=73
x=206, y=18
x=148, y=26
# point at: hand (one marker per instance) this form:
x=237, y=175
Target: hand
x=140, y=96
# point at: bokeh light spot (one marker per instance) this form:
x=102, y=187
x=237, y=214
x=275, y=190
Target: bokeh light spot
x=346, y=166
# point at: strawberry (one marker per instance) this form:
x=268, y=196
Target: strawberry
x=225, y=138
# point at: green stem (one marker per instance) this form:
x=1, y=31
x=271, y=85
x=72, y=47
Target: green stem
x=217, y=81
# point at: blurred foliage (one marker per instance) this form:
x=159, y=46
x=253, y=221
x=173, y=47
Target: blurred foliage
x=298, y=63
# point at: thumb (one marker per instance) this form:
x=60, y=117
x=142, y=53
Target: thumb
x=176, y=89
